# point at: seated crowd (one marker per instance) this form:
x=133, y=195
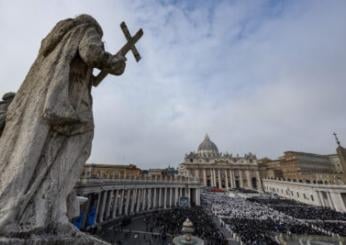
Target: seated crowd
x=171, y=222
x=300, y=210
x=254, y=222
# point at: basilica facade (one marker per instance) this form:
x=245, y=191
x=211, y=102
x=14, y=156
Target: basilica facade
x=219, y=170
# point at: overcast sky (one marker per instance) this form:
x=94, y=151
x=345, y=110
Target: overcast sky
x=257, y=76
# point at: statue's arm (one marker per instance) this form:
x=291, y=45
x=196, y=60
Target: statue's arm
x=92, y=52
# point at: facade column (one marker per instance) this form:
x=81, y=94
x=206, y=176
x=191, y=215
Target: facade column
x=248, y=179
x=219, y=176
x=198, y=196
x=188, y=193
x=204, y=177
x=232, y=178
x=213, y=177
x=241, y=178
x=115, y=203
x=226, y=179
x=196, y=173
x=330, y=199
x=259, y=182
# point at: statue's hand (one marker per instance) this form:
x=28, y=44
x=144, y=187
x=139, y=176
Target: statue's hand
x=118, y=64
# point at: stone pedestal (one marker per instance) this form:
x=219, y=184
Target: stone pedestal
x=63, y=236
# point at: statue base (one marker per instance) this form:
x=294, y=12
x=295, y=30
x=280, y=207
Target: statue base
x=65, y=236
x=53, y=240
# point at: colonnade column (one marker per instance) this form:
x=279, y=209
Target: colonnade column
x=127, y=205
x=171, y=197
x=176, y=199
x=165, y=198
x=102, y=209
x=98, y=206
x=160, y=198
x=138, y=200
x=86, y=212
x=145, y=199
x=155, y=198
x=109, y=204
x=121, y=202
x=149, y=198
x=115, y=204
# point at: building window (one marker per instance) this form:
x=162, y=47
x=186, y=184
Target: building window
x=312, y=198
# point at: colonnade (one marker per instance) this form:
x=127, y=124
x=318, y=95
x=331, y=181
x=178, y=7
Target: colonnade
x=111, y=201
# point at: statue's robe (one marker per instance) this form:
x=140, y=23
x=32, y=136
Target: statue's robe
x=49, y=127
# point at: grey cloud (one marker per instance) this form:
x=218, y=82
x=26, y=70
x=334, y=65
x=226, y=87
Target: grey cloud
x=255, y=78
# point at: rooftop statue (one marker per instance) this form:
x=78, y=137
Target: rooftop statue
x=49, y=125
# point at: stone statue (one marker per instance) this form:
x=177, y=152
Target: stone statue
x=6, y=101
x=49, y=127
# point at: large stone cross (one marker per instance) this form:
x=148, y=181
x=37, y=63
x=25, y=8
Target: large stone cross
x=131, y=41
x=130, y=45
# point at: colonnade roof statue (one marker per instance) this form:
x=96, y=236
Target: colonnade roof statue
x=49, y=125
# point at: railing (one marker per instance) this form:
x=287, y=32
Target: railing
x=139, y=180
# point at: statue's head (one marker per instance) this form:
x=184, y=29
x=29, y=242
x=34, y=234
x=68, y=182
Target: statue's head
x=63, y=27
x=8, y=96
x=85, y=18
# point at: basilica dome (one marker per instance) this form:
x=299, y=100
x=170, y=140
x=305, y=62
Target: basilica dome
x=207, y=147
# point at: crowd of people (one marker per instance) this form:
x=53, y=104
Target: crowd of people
x=160, y=227
x=328, y=219
x=171, y=221
x=254, y=222
x=263, y=231
x=332, y=226
x=299, y=210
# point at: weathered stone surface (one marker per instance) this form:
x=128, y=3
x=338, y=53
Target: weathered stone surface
x=82, y=239
x=49, y=127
